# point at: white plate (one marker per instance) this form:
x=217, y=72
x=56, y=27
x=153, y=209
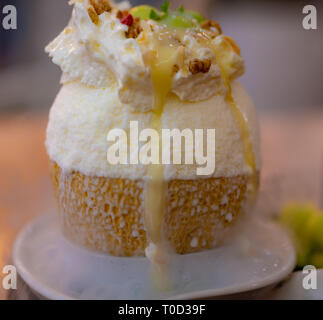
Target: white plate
x=262, y=255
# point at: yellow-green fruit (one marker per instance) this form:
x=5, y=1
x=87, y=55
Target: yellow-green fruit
x=302, y=257
x=314, y=231
x=178, y=20
x=296, y=217
x=306, y=224
x=142, y=12
x=316, y=260
x=193, y=15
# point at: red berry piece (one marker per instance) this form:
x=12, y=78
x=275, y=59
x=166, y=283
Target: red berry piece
x=128, y=20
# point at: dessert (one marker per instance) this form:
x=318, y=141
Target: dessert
x=163, y=69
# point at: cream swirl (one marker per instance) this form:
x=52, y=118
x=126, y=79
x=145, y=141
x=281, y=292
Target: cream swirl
x=100, y=55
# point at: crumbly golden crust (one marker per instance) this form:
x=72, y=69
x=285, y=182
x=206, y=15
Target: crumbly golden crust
x=107, y=215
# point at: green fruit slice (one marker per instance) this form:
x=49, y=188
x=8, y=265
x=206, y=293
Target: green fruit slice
x=194, y=15
x=142, y=12
x=177, y=20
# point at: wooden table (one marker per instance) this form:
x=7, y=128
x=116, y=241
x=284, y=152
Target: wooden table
x=292, y=149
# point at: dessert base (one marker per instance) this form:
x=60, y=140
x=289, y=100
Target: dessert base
x=107, y=215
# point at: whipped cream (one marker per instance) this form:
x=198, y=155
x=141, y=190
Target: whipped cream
x=100, y=55
x=81, y=118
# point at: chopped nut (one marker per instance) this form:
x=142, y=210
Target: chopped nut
x=93, y=15
x=175, y=68
x=122, y=14
x=134, y=27
x=233, y=45
x=200, y=66
x=209, y=24
x=101, y=6
x=134, y=30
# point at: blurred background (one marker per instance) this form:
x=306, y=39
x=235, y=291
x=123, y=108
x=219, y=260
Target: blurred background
x=284, y=76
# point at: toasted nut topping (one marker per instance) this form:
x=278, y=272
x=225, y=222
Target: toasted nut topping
x=233, y=45
x=101, y=6
x=197, y=66
x=122, y=14
x=93, y=15
x=209, y=24
x=175, y=68
x=134, y=30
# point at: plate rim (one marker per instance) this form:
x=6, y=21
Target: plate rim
x=45, y=291
x=40, y=289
